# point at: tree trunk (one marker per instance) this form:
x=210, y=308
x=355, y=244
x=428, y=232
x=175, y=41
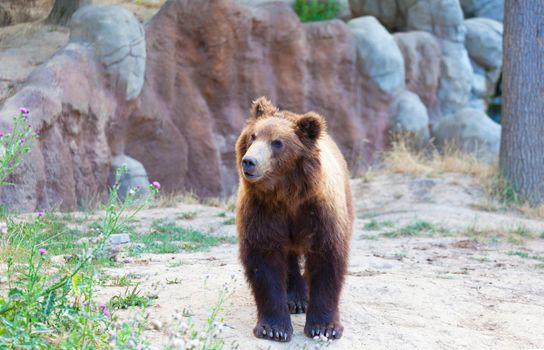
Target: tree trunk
x=522, y=142
x=64, y=9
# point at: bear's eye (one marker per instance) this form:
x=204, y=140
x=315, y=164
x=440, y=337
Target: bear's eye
x=253, y=137
x=277, y=144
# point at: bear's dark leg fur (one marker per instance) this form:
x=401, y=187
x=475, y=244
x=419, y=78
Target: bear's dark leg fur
x=266, y=272
x=325, y=269
x=297, y=291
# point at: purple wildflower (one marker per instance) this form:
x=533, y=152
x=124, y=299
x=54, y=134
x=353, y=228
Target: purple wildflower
x=156, y=184
x=42, y=251
x=23, y=141
x=40, y=214
x=24, y=110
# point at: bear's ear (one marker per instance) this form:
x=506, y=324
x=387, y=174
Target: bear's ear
x=311, y=126
x=260, y=107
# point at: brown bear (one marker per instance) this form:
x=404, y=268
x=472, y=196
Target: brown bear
x=294, y=200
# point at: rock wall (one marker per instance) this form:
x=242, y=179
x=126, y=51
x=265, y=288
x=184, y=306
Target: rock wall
x=174, y=95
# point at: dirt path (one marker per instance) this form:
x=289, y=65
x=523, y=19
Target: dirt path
x=444, y=292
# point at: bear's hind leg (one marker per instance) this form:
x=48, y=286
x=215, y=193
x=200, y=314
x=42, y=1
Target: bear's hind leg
x=297, y=291
x=266, y=272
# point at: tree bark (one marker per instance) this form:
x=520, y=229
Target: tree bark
x=64, y=9
x=522, y=142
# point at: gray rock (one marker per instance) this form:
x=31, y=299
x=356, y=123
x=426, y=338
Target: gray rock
x=443, y=18
x=409, y=116
x=422, y=57
x=380, y=59
x=118, y=39
x=456, y=77
x=478, y=92
x=493, y=9
x=484, y=42
x=386, y=11
x=118, y=239
x=135, y=176
x=472, y=131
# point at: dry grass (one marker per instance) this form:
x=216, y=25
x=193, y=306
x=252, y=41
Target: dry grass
x=172, y=199
x=403, y=158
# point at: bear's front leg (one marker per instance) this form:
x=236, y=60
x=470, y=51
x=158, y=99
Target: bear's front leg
x=326, y=268
x=266, y=271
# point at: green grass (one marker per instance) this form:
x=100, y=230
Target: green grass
x=167, y=237
x=188, y=215
x=229, y=221
x=129, y=298
x=374, y=225
x=122, y=281
x=418, y=229
x=316, y=10
x=526, y=255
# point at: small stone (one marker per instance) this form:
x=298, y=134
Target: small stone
x=156, y=325
x=118, y=239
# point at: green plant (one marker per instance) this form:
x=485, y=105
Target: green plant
x=229, y=221
x=129, y=335
x=15, y=145
x=129, y=298
x=44, y=308
x=316, y=10
x=167, y=237
x=526, y=255
x=188, y=215
x=374, y=224
x=186, y=334
x=418, y=228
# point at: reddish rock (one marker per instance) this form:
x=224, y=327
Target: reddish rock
x=206, y=62
x=422, y=57
x=70, y=107
x=215, y=58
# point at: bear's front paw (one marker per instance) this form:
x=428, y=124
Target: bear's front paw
x=274, y=330
x=297, y=304
x=330, y=330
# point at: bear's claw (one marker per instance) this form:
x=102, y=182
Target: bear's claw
x=297, y=306
x=330, y=331
x=277, y=332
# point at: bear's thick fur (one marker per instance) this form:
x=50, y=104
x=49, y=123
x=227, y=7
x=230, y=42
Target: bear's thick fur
x=294, y=200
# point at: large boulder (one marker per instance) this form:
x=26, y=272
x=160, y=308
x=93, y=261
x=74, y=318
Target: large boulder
x=206, y=62
x=493, y=9
x=484, y=42
x=456, y=77
x=443, y=19
x=484, y=45
x=17, y=11
x=422, y=56
x=118, y=40
x=70, y=107
x=133, y=177
x=471, y=130
x=385, y=10
x=380, y=58
x=409, y=116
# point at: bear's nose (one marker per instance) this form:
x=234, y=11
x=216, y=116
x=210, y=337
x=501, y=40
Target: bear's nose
x=249, y=163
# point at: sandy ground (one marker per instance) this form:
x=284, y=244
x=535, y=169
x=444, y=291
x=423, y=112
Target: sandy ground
x=450, y=292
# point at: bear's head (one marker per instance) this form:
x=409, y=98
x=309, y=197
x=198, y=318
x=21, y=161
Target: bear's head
x=278, y=146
